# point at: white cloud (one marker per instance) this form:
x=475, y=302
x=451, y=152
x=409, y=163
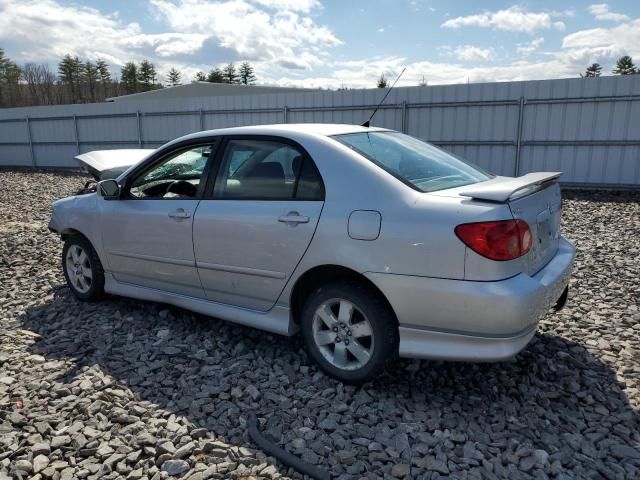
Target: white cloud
x=530, y=47
x=291, y=5
x=380, y=30
x=85, y=32
x=579, y=49
x=45, y=30
x=624, y=38
x=275, y=35
x=513, y=19
x=363, y=73
x=601, y=12
x=418, y=5
x=167, y=44
x=469, y=53
x=284, y=38
x=559, y=25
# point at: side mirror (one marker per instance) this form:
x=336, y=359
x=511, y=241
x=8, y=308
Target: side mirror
x=109, y=189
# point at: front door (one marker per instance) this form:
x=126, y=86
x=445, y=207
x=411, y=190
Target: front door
x=147, y=233
x=251, y=233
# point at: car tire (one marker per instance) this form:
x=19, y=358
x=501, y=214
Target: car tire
x=82, y=269
x=353, y=345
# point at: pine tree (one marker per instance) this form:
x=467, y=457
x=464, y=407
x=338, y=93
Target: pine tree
x=104, y=76
x=146, y=75
x=216, y=76
x=625, y=66
x=229, y=73
x=90, y=77
x=70, y=72
x=174, y=77
x=200, y=77
x=9, y=70
x=592, y=70
x=382, y=81
x=4, y=64
x=247, y=76
x=129, y=77
x=9, y=77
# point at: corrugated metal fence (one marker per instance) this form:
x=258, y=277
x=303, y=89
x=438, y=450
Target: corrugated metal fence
x=587, y=128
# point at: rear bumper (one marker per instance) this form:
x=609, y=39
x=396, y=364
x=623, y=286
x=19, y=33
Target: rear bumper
x=474, y=321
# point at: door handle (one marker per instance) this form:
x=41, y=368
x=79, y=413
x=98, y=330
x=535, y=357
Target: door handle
x=293, y=218
x=180, y=213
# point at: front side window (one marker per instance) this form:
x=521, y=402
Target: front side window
x=266, y=169
x=422, y=166
x=178, y=176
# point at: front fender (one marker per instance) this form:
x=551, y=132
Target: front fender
x=80, y=213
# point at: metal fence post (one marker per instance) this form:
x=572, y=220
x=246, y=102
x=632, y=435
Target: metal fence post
x=139, y=118
x=519, y=136
x=75, y=129
x=33, y=155
x=285, y=114
x=201, y=119
x=404, y=117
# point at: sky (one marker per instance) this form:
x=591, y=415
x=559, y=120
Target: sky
x=330, y=43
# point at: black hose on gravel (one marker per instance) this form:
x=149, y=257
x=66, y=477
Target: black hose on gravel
x=285, y=457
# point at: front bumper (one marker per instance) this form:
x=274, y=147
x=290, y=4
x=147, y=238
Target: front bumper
x=470, y=320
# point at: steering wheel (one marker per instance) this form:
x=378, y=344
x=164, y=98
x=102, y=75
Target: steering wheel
x=181, y=187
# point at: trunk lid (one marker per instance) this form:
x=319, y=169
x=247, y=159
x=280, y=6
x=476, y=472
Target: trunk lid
x=541, y=210
x=534, y=198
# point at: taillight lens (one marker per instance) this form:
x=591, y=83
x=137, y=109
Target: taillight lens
x=499, y=240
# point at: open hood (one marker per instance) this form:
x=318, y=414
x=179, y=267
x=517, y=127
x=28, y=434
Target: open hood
x=105, y=164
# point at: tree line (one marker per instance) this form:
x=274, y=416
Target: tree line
x=84, y=81
x=229, y=74
x=624, y=66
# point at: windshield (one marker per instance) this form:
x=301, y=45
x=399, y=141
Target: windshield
x=418, y=164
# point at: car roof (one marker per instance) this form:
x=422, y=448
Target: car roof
x=322, y=129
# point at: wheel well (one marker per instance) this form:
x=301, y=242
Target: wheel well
x=321, y=275
x=69, y=232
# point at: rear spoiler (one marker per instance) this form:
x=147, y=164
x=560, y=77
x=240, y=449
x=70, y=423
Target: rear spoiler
x=503, y=189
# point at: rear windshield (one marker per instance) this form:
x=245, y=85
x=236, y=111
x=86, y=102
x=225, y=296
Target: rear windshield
x=418, y=164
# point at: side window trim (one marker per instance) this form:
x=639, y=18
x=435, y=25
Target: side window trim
x=216, y=173
x=162, y=155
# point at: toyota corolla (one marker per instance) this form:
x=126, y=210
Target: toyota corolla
x=370, y=243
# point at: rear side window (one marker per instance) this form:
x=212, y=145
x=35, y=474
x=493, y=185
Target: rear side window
x=422, y=166
x=266, y=170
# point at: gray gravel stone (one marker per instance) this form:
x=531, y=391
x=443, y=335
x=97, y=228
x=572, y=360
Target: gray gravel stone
x=401, y=470
x=23, y=465
x=185, y=450
x=175, y=467
x=40, y=463
x=41, y=448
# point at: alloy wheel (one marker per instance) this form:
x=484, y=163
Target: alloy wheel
x=343, y=334
x=79, y=269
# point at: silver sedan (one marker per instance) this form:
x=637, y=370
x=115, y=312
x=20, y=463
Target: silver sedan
x=370, y=243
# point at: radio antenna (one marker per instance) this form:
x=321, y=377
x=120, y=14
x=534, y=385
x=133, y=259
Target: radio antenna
x=368, y=122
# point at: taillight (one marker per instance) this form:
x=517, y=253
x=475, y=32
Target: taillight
x=499, y=240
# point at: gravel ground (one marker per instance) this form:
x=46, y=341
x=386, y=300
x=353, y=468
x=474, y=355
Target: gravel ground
x=128, y=389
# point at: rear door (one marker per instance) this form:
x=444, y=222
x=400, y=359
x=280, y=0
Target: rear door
x=252, y=229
